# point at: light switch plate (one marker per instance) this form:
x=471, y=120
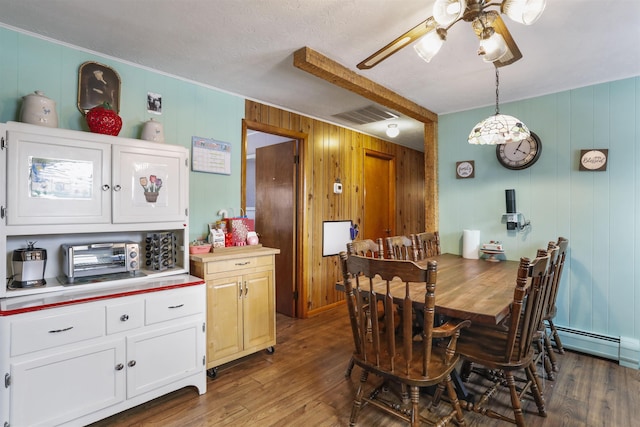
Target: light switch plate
x=337, y=188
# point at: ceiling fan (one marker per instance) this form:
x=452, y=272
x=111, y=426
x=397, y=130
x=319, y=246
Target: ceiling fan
x=496, y=44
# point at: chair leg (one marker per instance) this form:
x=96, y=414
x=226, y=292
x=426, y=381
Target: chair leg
x=415, y=410
x=357, y=402
x=556, y=338
x=546, y=361
x=536, y=389
x=515, y=400
x=347, y=372
x=453, y=397
x=550, y=354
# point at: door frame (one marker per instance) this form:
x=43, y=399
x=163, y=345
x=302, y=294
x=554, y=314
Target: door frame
x=300, y=306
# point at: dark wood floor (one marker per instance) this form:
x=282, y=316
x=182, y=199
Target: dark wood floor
x=303, y=384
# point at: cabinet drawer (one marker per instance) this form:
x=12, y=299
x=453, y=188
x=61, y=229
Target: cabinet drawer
x=238, y=264
x=53, y=330
x=125, y=316
x=174, y=304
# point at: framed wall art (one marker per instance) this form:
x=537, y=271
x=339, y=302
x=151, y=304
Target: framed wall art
x=594, y=160
x=97, y=84
x=465, y=169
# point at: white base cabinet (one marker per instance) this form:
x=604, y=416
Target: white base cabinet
x=58, y=372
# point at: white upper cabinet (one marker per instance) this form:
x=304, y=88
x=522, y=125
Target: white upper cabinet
x=69, y=177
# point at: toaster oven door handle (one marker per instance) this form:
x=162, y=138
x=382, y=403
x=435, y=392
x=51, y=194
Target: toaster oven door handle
x=101, y=245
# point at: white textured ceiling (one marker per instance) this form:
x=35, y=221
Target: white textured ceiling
x=245, y=47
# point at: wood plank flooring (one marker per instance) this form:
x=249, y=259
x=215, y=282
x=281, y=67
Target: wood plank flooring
x=303, y=384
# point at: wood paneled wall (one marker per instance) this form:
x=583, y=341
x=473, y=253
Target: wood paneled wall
x=334, y=152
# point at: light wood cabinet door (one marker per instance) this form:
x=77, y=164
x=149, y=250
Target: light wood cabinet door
x=224, y=317
x=259, y=309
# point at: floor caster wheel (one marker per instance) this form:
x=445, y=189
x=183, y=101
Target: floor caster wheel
x=271, y=350
x=212, y=373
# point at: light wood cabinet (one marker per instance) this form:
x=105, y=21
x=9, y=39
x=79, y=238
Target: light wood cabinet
x=240, y=302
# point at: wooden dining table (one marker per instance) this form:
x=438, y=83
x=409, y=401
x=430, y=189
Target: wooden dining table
x=473, y=289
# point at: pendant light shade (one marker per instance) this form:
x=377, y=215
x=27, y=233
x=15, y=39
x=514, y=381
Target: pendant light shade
x=499, y=128
x=446, y=12
x=429, y=45
x=492, y=45
x=524, y=11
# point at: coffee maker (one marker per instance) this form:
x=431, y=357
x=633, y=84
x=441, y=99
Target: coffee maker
x=28, y=267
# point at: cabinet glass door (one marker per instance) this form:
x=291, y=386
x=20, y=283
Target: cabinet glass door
x=57, y=180
x=149, y=185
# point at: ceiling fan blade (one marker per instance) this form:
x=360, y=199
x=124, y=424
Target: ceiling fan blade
x=407, y=38
x=513, y=52
x=493, y=19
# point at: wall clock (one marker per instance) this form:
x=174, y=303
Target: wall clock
x=519, y=155
x=465, y=169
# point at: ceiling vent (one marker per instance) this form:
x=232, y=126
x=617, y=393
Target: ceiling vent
x=366, y=115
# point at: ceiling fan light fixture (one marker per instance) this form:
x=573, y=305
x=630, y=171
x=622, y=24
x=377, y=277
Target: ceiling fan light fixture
x=492, y=45
x=429, y=44
x=393, y=130
x=523, y=11
x=446, y=12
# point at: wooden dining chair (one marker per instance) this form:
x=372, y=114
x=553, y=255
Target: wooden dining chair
x=539, y=340
x=551, y=311
x=506, y=350
x=397, y=361
x=367, y=248
x=426, y=244
x=398, y=247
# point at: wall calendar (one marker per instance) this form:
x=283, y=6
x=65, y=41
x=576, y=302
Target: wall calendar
x=211, y=156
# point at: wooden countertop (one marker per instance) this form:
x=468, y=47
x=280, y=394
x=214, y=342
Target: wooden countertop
x=233, y=253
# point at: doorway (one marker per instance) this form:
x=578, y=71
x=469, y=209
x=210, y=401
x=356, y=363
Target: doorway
x=379, y=195
x=270, y=195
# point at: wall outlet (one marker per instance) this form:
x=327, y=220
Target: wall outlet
x=337, y=188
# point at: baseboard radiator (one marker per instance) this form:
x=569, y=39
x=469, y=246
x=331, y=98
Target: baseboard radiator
x=623, y=349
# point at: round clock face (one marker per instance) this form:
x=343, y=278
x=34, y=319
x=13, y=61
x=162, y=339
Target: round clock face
x=519, y=155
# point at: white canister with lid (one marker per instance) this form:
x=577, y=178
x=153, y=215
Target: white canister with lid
x=152, y=131
x=37, y=109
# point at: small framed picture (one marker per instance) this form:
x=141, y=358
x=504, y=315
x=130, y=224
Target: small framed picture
x=97, y=84
x=465, y=169
x=154, y=103
x=594, y=160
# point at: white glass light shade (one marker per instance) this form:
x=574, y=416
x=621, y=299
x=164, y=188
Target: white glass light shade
x=524, y=11
x=445, y=12
x=392, y=130
x=429, y=44
x=498, y=129
x=494, y=47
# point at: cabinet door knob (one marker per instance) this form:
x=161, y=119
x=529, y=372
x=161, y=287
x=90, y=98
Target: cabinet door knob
x=117, y=188
x=131, y=363
x=119, y=367
x=124, y=317
x=105, y=187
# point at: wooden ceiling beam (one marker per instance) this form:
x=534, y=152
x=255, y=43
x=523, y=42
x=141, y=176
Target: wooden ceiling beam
x=319, y=65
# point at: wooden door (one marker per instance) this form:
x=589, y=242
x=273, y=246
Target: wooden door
x=379, y=195
x=276, y=216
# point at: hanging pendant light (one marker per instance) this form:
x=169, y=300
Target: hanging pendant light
x=499, y=128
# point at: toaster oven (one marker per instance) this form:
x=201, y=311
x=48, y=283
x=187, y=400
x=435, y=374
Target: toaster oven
x=100, y=258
